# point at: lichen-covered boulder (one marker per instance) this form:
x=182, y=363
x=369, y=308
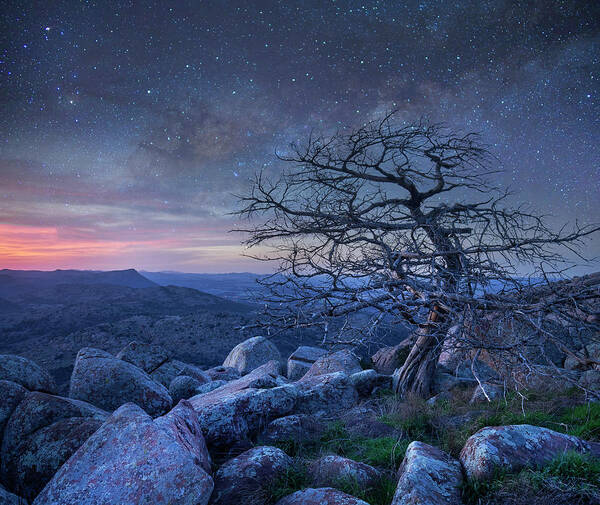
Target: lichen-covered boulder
x=340, y=361
x=7, y=498
x=41, y=434
x=148, y=357
x=295, y=428
x=246, y=478
x=11, y=394
x=329, y=393
x=209, y=386
x=428, y=476
x=334, y=470
x=264, y=377
x=224, y=373
x=250, y=354
x=230, y=417
x=320, y=496
x=590, y=379
x=584, y=359
x=366, y=381
x=107, y=382
x=166, y=372
x=512, y=448
x=183, y=387
x=545, y=378
x=387, y=359
x=301, y=360
x=26, y=373
x=489, y=392
x=133, y=459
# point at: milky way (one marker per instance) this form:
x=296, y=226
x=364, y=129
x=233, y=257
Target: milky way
x=127, y=126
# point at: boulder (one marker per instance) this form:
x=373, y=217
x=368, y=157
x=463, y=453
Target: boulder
x=512, y=448
x=493, y=392
x=295, y=428
x=108, y=382
x=443, y=381
x=26, y=373
x=7, y=498
x=11, y=394
x=224, y=373
x=209, y=386
x=366, y=381
x=590, y=357
x=365, y=421
x=590, y=379
x=41, y=434
x=320, y=496
x=230, y=417
x=301, y=360
x=545, y=378
x=250, y=354
x=387, y=359
x=340, y=361
x=483, y=371
x=148, y=357
x=183, y=387
x=329, y=393
x=246, y=478
x=166, y=372
x=428, y=476
x=335, y=470
x=132, y=459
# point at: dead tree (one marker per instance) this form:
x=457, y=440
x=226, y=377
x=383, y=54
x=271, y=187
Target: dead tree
x=398, y=221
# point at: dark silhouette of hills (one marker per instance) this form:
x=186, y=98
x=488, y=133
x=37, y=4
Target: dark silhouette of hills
x=18, y=282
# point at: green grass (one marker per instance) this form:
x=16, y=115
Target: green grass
x=381, y=493
x=419, y=421
x=384, y=452
x=294, y=479
x=571, y=478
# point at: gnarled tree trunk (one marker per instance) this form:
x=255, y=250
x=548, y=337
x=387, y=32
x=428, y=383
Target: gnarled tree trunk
x=416, y=375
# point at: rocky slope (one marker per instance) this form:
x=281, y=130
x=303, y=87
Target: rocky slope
x=143, y=427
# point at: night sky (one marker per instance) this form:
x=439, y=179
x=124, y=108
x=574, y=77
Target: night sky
x=127, y=126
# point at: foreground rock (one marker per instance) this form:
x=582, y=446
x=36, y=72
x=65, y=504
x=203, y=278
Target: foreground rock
x=224, y=373
x=246, y=478
x=148, y=357
x=7, y=498
x=108, y=382
x=489, y=392
x=513, y=448
x=301, y=360
x=230, y=417
x=11, y=394
x=334, y=470
x=184, y=387
x=329, y=393
x=366, y=381
x=41, y=434
x=340, y=361
x=132, y=460
x=250, y=354
x=293, y=429
x=166, y=372
x=26, y=373
x=320, y=496
x=428, y=476
x=387, y=359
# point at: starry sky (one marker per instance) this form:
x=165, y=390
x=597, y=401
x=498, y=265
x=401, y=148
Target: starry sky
x=127, y=127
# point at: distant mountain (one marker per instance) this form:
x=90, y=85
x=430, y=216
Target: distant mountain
x=233, y=286
x=18, y=282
